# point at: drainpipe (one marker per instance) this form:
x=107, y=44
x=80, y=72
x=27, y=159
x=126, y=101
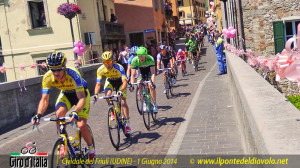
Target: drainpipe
x=242, y=24
x=12, y=55
x=103, y=10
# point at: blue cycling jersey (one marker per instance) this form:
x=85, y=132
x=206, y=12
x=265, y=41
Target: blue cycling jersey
x=130, y=59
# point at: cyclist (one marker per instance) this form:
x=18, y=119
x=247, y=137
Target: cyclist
x=164, y=58
x=173, y=62
x=182, y=57
x=145, y=63
x=133, y=54
x=115, y=80
x=73, y=91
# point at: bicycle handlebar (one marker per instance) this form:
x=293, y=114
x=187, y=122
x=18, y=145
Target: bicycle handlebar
x=109, y=97
x=141, y=82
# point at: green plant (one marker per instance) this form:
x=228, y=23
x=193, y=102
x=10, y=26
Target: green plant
x=295, y=100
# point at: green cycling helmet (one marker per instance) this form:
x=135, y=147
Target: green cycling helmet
x=141, y=51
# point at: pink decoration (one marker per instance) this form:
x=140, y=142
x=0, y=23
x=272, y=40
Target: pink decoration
x=75, y=49
x=81, y=49
x=80, y=53
x=44, y=65
x=2, y=69
x=33, y=66
x=22, y=67
x=224, y=31
x=230, y=28
x=76, y=44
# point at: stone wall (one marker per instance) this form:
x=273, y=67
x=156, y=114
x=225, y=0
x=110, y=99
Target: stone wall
x=258, y=16
x=18, y=106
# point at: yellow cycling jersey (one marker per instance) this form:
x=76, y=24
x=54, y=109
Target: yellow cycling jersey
x=73, y=82
x=116, y=72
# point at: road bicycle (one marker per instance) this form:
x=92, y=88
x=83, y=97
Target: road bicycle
x=147, y=103
x=196, y=61
x=181, y=65
x=117, y=123
x=67, y=147
x=168, y=82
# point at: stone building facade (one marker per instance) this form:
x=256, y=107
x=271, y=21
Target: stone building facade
x=260, y=18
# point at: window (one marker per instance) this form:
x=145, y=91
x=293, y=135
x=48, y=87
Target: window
x=180, y=2
x=2, y=75
x=37, y=14
x=156, y=5
x=181, y=14
x=41, y=70
x=283, y=32
x=162, y=2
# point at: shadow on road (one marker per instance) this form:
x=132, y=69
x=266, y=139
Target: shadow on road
x=203, y=51
x=166, y=121
x=137, y=137
x=181, y=85
x=182, y=79
x=164, y=108
x=181, y=94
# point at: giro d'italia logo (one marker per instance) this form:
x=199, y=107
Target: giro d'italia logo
x=28, y=157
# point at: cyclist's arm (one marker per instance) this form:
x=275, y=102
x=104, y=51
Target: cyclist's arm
x=128, y=69
x=43, y=105
x=152, y=70
x=97, y=88
x=124, y=84
x=133, y=75
x=81, y=102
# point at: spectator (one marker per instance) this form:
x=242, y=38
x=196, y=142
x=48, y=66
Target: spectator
x=113, y=18
x=220, y=55
x=123, y=57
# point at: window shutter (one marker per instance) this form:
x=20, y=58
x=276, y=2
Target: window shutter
x=278, y=29
x=156, y=5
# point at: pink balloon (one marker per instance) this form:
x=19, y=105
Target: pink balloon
x=75, y=49
x=224, y=31
x=230, y=28
x=80, y=53
x=76, y=43
x=81, y=49
x=228, y=33
x=233, y=32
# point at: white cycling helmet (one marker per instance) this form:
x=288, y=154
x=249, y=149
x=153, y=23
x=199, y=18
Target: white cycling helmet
x=179, y=50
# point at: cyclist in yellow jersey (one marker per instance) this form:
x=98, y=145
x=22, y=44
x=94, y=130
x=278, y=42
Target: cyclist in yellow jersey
x=115, y=80
x=73, y=92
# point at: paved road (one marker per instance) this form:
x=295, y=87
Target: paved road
x=156, y=141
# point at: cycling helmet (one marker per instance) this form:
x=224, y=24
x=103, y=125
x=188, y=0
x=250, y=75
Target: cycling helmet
x=162, y=47
x=141, y=51
x=180, y=50
x=56, y=60
x=133, y=49
x=107, y=55
x=169, y=48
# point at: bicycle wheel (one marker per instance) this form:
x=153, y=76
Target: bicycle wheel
x=182, y=72
x=113, y=129
x=167, y=87
x=146, y=113
x=57, y=156
x=170, y=88
x=138, y=101
x=84, y=147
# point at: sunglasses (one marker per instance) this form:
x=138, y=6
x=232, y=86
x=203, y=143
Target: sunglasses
x=141, y=55
x=56, y=70
x=107, y=62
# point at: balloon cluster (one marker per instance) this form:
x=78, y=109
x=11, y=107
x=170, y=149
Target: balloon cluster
x=286, y=64
x=78, y=48
x=230, y=32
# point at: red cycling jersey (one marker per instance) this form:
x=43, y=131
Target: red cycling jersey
x=181, y=56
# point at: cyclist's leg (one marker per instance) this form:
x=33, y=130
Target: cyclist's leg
x=108, y=88
x=62, y=105
x=124, y=104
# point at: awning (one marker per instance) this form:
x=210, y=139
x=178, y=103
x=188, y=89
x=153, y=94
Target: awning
x=183, y=22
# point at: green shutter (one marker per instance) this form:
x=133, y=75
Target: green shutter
x=278, y=29
x=156, y=5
